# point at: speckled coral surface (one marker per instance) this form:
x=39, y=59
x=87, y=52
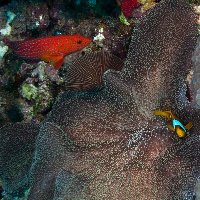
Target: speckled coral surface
x=108, y=144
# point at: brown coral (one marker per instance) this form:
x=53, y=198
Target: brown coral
x=86, y=73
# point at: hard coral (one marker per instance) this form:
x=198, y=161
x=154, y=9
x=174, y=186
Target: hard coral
x=108, y=144
x=127, y=7
x=38, y=17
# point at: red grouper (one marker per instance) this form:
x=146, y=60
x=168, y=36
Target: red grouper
x=52, y=49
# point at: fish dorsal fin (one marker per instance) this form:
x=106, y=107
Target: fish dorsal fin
x=55, y=60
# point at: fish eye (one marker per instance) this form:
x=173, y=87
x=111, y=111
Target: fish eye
x=79, y=41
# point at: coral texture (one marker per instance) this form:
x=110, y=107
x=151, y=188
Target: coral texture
x=17, y=150
x=86, y=72
x=108, y=144
x=195, y=83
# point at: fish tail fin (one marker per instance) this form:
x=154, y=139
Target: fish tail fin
x=188, y=125
x=6, y=41
x=12, y=45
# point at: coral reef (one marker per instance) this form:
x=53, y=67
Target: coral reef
x=5, y=27
x=147, y=4
x=37, y=89
x=13, y=70
x=9, y=108
x=108, y=144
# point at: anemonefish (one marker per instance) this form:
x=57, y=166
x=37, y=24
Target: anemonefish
x=177, y=124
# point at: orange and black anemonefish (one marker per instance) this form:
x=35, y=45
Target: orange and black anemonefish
x=177, y=124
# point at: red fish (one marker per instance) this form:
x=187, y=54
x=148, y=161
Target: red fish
x=51, y=49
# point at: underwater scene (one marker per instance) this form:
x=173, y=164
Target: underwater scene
x=100, y=100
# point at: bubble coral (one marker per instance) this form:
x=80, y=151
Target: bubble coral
x=108, y=144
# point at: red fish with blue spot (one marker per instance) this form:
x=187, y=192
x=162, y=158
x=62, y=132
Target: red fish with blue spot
x=52, y=49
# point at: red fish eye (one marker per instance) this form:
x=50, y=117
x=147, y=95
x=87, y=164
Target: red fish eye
x=79, y=41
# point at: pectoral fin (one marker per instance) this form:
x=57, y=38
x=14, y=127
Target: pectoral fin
x=55, y=60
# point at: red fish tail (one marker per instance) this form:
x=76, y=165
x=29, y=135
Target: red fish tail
x=12, y=45
x=6, y=41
